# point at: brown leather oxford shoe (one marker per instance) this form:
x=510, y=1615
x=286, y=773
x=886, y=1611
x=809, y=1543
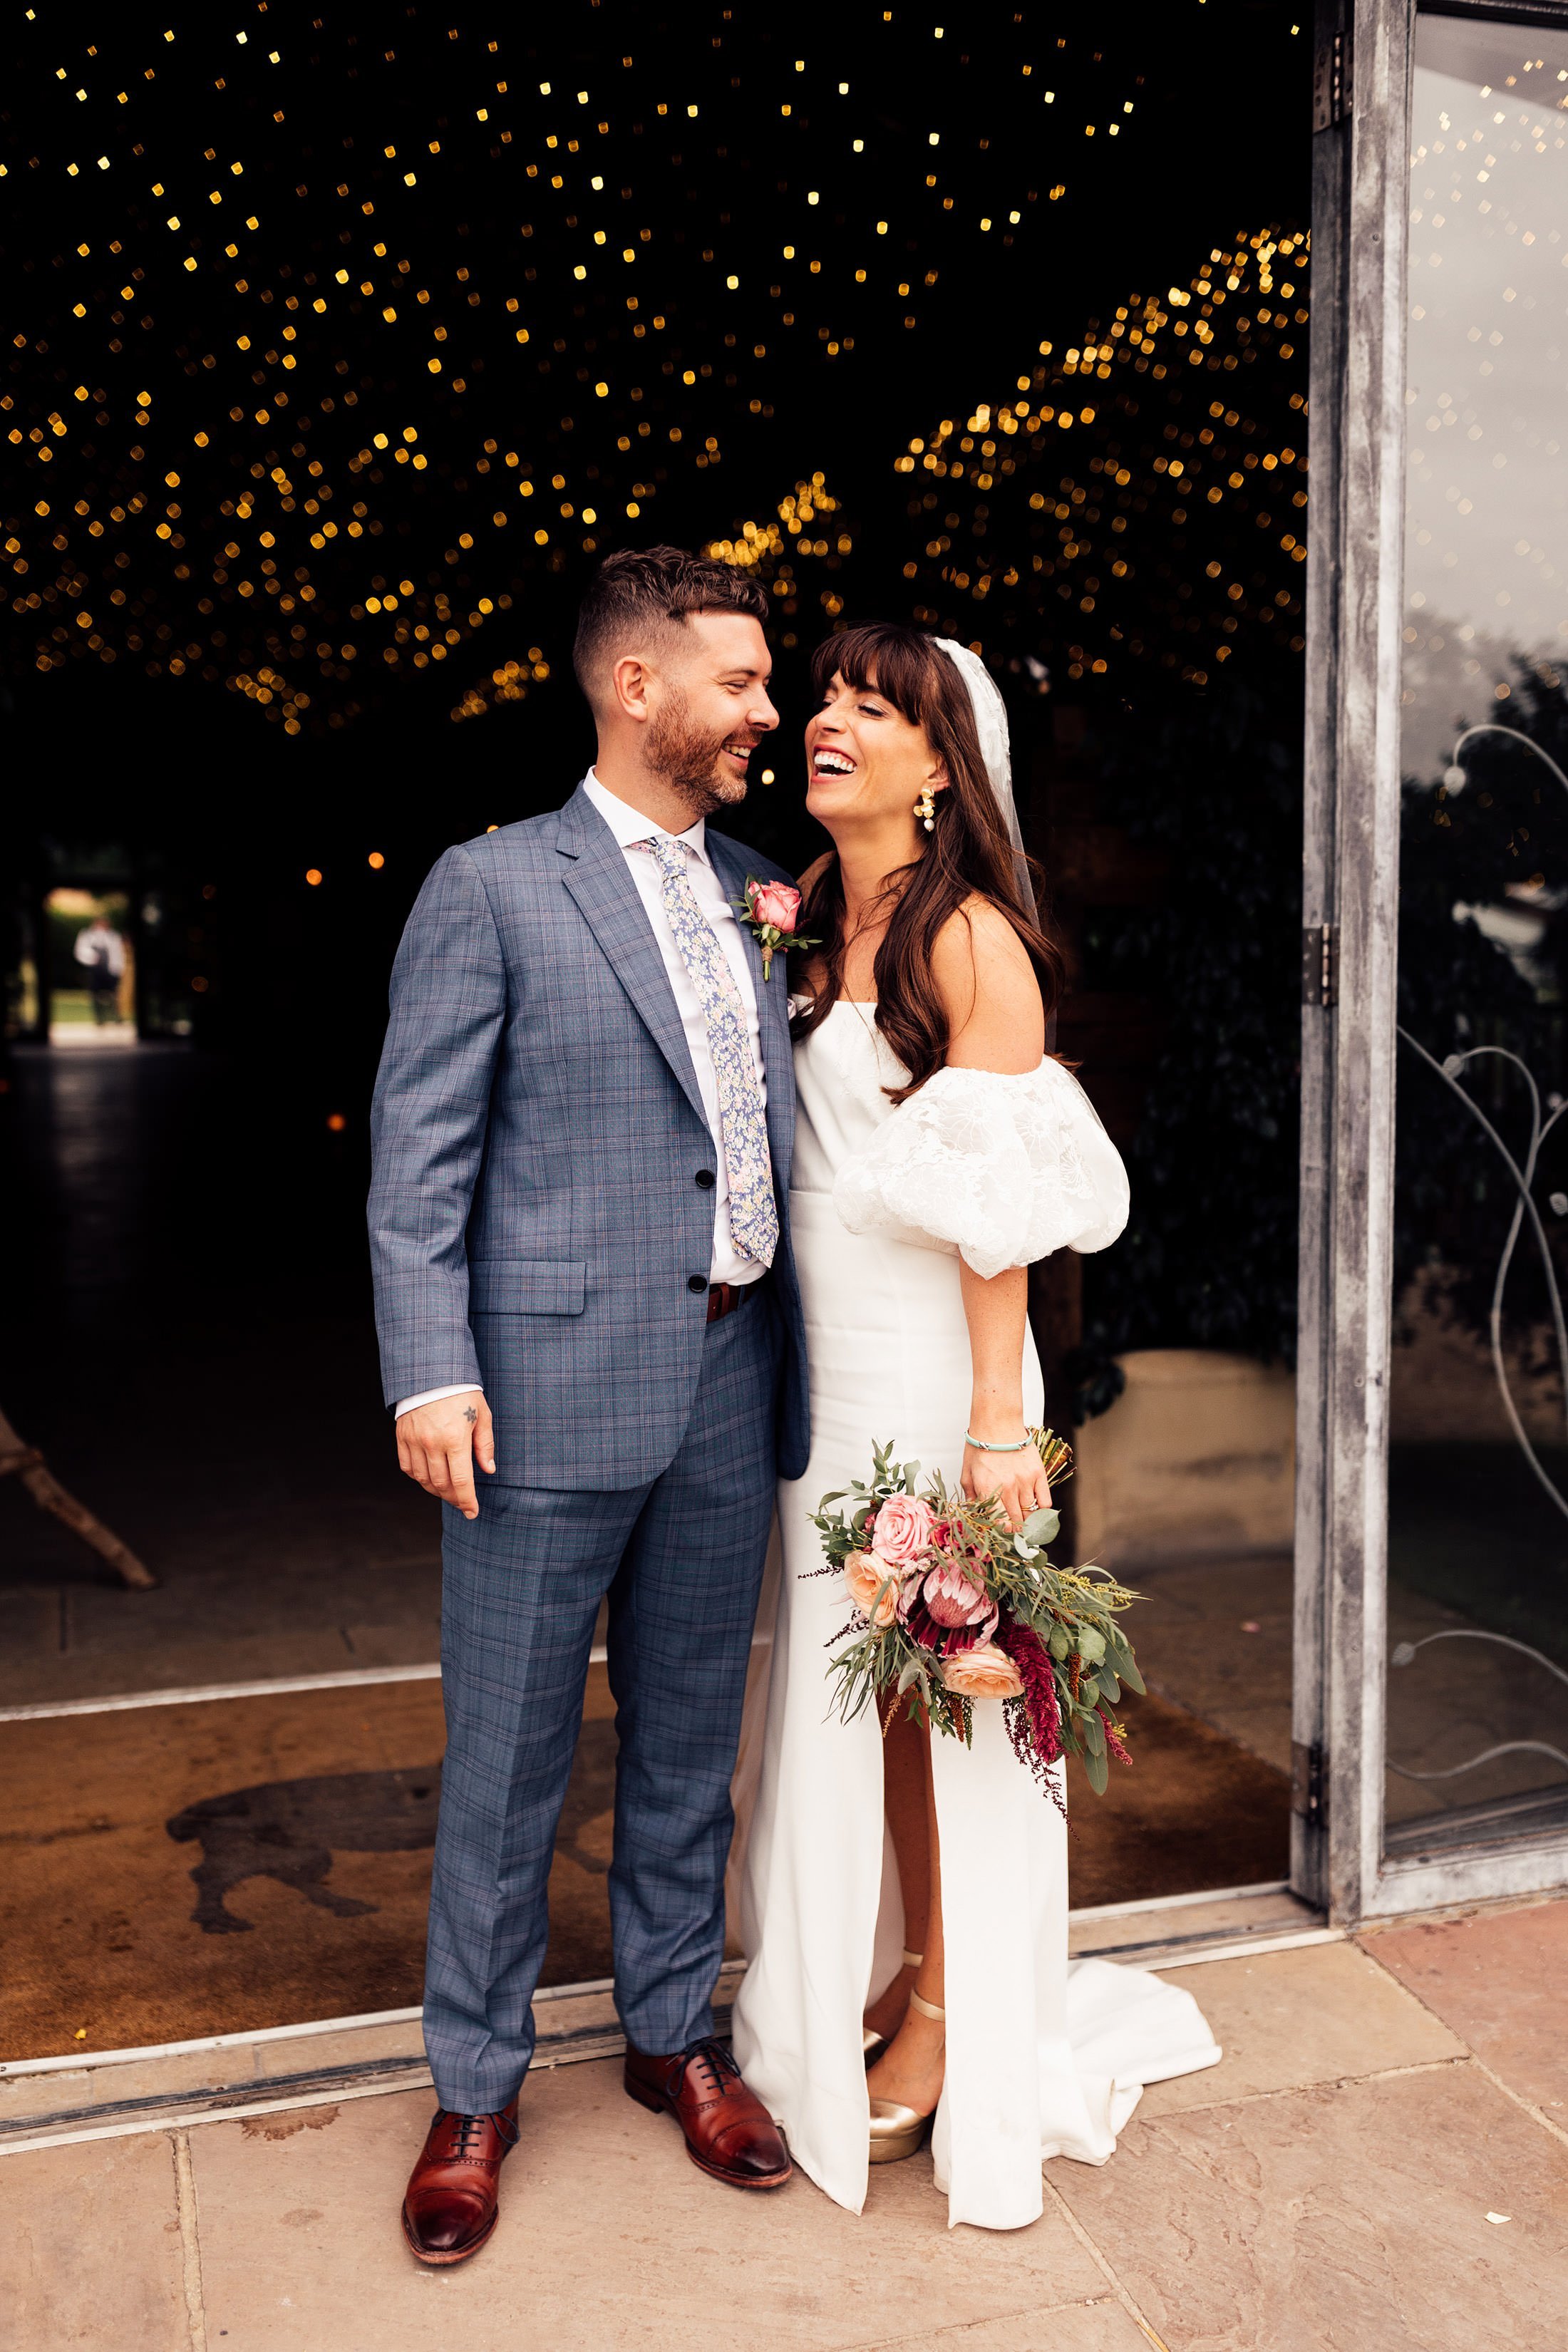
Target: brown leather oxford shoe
x=451, y=2203
x=728, y=2131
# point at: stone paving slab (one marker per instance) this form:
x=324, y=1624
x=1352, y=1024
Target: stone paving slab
x=608, y=2238
x=1325, y=2189
x=1288, y=2020
x=1498, y=1980
x=91, y=2249
x=1349, y=2219
x=1093, y=2326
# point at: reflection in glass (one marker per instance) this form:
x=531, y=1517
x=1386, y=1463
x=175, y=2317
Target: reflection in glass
x=1478, y=1694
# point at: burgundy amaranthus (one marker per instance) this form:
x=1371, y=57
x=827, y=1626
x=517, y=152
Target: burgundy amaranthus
x=1034, y=1722
x=1113, y=1737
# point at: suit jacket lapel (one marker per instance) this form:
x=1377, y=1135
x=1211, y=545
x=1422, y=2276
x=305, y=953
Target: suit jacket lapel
x=593, y=868
x=772, y=1016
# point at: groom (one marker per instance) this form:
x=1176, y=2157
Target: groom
x=584, y=1286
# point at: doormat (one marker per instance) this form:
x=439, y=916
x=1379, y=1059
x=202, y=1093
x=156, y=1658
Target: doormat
x=1195, y=1810
x=178, y=1871
x=172, y=1872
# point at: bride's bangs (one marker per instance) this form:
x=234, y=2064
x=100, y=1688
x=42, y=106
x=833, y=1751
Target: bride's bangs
x=881, y=657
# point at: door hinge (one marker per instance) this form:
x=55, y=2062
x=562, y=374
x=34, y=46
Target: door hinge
x=1321, y=964
x=1309, y=1783
x=1332, y=81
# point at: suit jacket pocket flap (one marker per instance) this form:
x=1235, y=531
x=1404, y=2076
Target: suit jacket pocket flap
x=527, y=1285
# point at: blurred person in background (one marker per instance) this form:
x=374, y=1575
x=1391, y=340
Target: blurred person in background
x=100, y=951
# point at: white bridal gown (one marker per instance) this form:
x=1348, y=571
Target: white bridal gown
x=1044, y=2057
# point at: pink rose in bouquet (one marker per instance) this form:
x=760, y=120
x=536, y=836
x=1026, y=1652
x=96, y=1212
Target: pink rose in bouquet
x=776, y=903
x=984, y=1673
x=901, y=1531
x=866, y=1576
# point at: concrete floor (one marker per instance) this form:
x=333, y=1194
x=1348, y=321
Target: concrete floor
x=188, y=1338
x=1380, y=2163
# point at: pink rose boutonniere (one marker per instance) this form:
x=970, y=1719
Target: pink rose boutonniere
x=773, y=910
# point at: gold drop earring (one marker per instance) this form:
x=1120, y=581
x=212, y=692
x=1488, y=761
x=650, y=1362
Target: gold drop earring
x=925, y=810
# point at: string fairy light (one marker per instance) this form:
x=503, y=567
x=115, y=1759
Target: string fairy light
x=338, y=354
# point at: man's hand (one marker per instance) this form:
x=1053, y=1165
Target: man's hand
x=437, y=1444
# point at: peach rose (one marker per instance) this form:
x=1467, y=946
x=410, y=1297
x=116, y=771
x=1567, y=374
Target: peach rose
x=985, y=1672
x=865, y=1576
x=776, y=903
x=901, y=1530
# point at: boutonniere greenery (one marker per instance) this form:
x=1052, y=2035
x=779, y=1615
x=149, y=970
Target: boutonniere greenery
x=773, y=910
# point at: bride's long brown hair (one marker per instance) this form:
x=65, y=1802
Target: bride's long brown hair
x=967, y=855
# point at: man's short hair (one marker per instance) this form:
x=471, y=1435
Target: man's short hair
x=642, y=593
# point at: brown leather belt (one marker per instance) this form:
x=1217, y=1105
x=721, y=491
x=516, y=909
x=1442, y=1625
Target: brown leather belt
x=723, y=1297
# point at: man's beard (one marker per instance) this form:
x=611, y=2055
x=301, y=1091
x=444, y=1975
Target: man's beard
x=687, y=757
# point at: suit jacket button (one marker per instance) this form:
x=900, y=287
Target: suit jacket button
x=705, y=1177
x=697, y=1282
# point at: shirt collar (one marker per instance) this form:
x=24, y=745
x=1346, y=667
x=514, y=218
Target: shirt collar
x=629, y=825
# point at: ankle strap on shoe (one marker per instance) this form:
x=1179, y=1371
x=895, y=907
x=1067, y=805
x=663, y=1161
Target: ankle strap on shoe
x=927, y=2009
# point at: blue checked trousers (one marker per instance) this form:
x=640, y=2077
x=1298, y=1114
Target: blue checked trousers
x=681, y=1559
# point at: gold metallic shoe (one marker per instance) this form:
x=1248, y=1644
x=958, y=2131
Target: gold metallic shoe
x=897, y=2131
x=873, y=2043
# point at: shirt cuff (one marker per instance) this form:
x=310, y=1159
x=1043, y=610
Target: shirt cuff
x=434, y=1396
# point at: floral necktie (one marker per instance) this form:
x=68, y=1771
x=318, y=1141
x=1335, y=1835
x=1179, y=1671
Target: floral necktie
x=753, y=1213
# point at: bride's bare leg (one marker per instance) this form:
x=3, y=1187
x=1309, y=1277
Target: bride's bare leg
x=905, y=1780
x=910, y=2068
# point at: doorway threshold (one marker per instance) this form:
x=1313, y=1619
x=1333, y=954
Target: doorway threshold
x=225, y=2077
x=1174, y=1931
x=111, y=2094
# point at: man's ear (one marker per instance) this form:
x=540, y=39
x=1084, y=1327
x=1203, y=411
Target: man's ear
x=629, y=681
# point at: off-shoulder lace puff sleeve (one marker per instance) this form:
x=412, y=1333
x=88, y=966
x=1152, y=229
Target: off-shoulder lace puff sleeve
x=1002, y=1169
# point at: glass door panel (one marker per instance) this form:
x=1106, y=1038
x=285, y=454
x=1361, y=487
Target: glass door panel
x=1477, y=1749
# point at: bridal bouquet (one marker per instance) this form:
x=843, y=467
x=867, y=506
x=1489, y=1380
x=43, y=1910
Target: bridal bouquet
x=952, y=1607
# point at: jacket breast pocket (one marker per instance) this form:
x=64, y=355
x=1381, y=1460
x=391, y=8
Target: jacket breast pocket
x=527, y=1285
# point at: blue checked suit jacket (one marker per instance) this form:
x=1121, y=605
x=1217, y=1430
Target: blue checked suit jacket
x=537, y=1135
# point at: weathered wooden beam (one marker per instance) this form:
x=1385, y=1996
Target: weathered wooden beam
x=28, y=1464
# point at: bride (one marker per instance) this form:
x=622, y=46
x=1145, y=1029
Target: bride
x=904, y=1900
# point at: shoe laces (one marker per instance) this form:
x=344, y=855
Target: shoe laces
x=466, y=2133
x=716, y=2069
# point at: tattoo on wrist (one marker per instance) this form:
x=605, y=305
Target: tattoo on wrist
x=470, y=1414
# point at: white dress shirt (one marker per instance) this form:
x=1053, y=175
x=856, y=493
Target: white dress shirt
x=630, y=826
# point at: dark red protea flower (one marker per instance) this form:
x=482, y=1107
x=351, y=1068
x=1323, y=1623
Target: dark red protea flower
x=943, y=1640
x=946, y=1608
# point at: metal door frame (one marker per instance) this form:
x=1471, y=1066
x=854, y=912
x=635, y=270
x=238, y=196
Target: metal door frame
x=1363, y=52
